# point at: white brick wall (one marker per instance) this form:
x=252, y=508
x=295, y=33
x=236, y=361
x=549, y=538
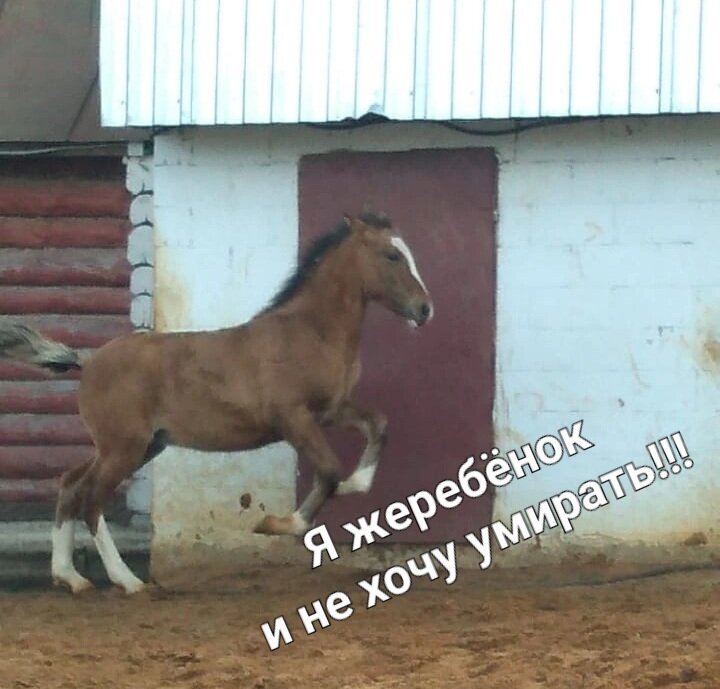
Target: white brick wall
x=608, y=246
x=607, y=293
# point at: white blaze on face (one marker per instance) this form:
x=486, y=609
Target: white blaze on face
x=404, y=249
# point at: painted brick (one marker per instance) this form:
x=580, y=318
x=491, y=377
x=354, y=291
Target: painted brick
x=642, y=350
x=667, y=224
x=622, y=140
x=570, y=224
x=141, y=311
x=596, y=307
x=139, y=175
x=140, y=245
x=142, y=281
x=141, y=209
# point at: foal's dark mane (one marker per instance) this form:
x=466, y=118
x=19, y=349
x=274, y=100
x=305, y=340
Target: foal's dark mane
x=316, y=252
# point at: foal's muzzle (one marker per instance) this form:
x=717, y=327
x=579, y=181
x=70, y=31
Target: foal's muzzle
x=422, y=313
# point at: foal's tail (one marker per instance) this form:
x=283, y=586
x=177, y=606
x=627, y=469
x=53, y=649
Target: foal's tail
x=25, y=344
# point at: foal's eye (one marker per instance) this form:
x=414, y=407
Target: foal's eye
x=393, y=256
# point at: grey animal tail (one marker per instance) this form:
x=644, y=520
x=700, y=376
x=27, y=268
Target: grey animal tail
x=24, y=344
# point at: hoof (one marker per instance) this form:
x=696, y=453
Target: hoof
x=134, y=588
x=268, y=526
x=281, y=526
x=360, y=482
x=350, y=487
x=76, y=587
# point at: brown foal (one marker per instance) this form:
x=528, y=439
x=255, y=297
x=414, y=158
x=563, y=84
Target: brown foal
x=282, y=376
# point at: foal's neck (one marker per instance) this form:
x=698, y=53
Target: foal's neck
x=333, y=300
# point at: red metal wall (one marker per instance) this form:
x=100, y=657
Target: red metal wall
x=436, y=384
x=63, y=269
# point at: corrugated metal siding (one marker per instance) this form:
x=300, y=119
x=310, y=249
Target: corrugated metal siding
x=204, y=62
x=63, y=269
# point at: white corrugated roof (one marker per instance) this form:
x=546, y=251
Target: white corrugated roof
x=205, y=62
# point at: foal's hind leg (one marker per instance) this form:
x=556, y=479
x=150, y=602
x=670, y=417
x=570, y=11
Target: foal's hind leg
x=373, y=425
x=63, y=532
x=305, y=435
x=118, y=572
x=112, y=468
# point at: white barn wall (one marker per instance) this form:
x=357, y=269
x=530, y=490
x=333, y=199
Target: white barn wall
x=608, y=307
x=608, y=311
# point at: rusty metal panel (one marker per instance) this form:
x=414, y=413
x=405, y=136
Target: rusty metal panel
x=63, y=269
x=436, y=384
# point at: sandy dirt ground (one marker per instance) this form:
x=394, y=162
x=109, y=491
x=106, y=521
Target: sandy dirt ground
x=484, y=630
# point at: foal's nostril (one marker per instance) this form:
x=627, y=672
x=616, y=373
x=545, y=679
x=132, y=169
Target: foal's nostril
x=425, y=311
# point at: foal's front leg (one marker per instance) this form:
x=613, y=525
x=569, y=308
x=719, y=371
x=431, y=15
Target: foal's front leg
x=302, y=431
x=373, y=425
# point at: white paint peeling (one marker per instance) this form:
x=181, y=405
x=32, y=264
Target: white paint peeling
x=168, y=62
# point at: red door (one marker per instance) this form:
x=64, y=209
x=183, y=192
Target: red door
x=436, y=384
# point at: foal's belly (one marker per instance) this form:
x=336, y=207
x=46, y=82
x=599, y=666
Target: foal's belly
x=218, y=438
x=215, y=427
